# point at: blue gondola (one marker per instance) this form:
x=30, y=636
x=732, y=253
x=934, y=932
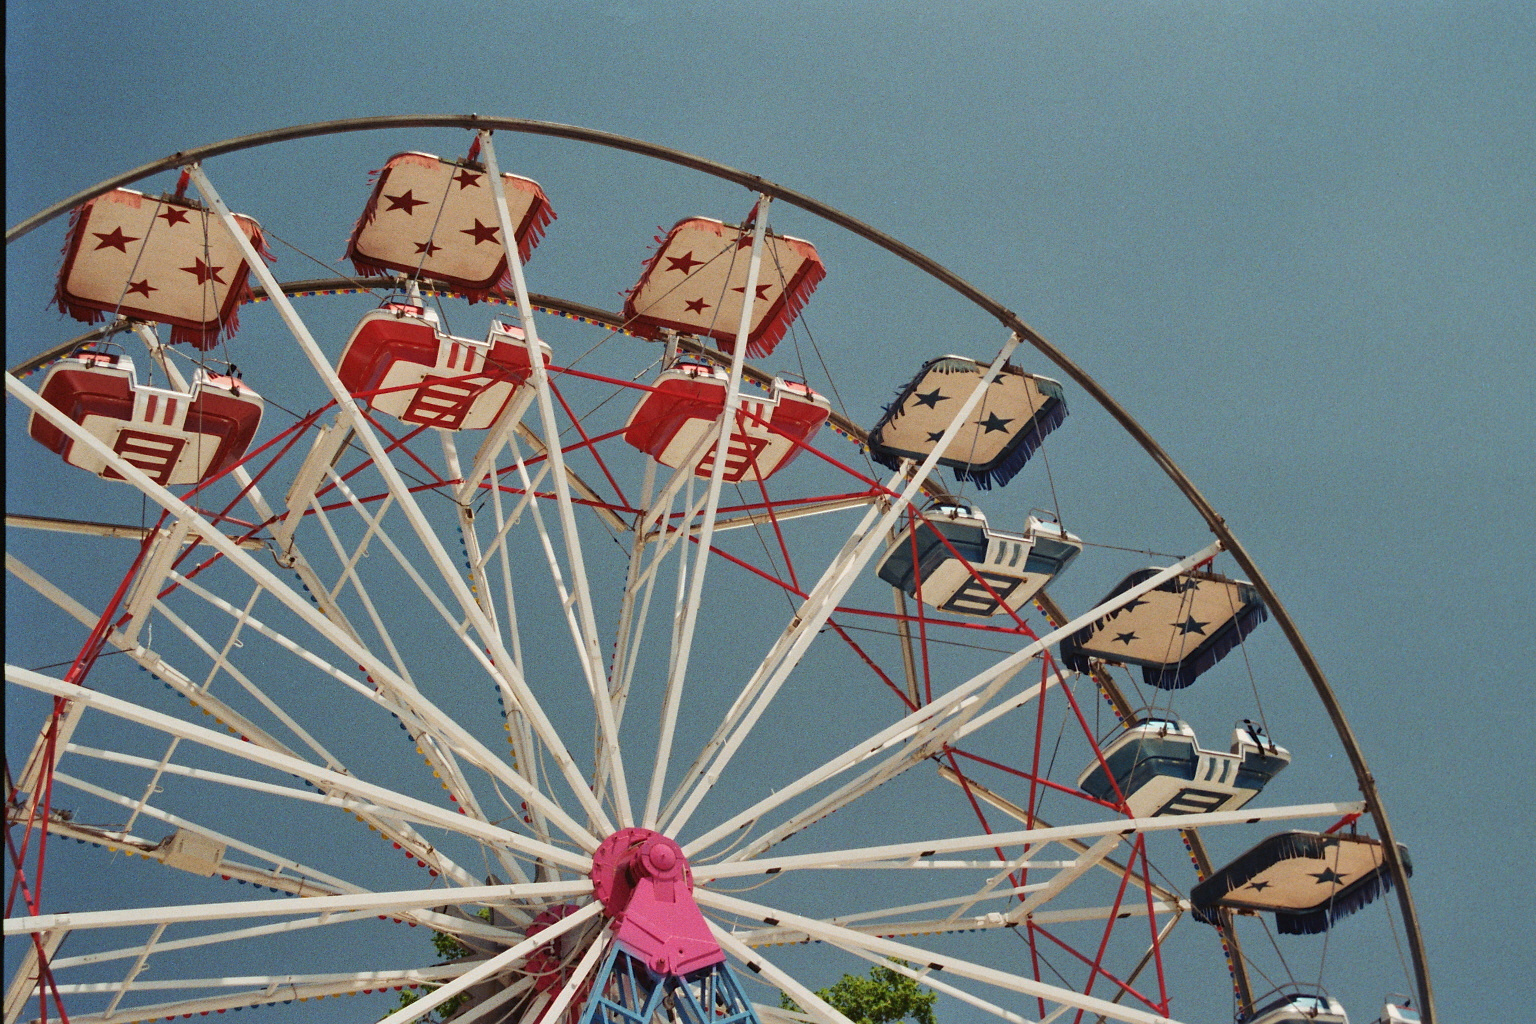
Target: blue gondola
x=1019, y=410
x=1296, y=1004
x=1159, y=768
x=979, y=571
x=1395, y=1012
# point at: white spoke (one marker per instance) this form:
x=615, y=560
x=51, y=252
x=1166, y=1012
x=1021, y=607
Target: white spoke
x=382, y=463
x=1033, y=837
x=965, y=969
x=416, y=899
x=682, y=645
x=364, y=792
x=495, y=964
x=274, y=989
x=780, y=935
x=215, y=938
x=755, y=962
x=592, y=659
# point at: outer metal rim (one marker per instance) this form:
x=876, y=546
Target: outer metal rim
x=1004, y=315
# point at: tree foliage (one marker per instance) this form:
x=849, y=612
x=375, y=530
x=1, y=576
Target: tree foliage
x=885, y=996
x=448, y=949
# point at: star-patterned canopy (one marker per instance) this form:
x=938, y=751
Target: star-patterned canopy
x=696, y=282
x=1000, y=435
x=436, y=219
x=1175, y=632
x=1308, y=880
x=164, y=260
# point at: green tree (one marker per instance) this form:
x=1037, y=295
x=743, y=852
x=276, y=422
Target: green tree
x=449, y=949
x=882, y=998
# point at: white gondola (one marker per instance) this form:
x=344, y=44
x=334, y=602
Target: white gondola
x=1298, y=1004
x=980, y=570
x=1159, y=768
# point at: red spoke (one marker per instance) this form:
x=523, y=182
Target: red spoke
x=588, y=443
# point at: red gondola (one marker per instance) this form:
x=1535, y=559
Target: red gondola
x=402, y=364
x=174, y=437
x=687, y=401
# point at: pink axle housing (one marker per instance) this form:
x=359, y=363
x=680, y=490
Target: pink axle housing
x=645, y=885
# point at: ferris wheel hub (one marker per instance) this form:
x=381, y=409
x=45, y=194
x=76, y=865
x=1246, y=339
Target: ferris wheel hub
x=645, y=885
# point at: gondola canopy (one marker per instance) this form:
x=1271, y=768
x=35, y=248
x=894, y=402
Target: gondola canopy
x=695, y=282
x=436, y=219
x=166, y=260
x=1308, y=880
x=1174, y=632
x=1002, y=432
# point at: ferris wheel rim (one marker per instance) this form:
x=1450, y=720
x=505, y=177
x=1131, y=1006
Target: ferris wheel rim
x=1375, y=805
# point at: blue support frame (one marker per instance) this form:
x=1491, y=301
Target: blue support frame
x=626, y=991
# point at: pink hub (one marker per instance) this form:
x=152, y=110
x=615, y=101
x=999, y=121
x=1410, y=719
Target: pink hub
x=645, y=885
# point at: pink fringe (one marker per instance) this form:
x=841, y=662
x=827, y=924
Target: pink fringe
x=529, y=233
x=200, y=336
x=777, y=320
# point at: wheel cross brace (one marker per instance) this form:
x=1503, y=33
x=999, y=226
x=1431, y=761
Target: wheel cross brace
x=664, y=958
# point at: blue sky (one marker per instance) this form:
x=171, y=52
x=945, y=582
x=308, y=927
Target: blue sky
x=1294, y=240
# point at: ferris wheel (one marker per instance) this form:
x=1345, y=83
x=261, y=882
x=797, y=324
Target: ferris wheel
x=667, y=657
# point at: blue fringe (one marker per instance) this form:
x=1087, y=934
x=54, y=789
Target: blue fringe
x=1176, y=677
x=1206, y=897
x=1182, y=673
x=1007, y=465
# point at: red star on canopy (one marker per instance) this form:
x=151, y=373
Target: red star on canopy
x=203, y=272
x=480, y=232
x=762, y=290
x=696, y=306
x=465, y=179
x=685, y=262
x=114, y=240
x=173, y=216
x=405, y=201
x=427, y=247
x=141, y=288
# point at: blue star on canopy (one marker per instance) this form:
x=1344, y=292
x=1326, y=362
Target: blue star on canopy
x=1308, y=880
x=993, y=423
x=1174, y=631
